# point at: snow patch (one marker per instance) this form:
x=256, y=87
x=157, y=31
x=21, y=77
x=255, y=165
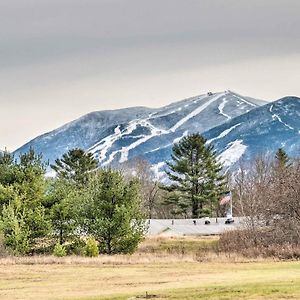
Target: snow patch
x=233, y=153
x=154, y=132
x=243, y=100
x=222, y=134
x=158, y=174
x=274, y=117
x=103, y=146
x=221, y=108
x=117, y=130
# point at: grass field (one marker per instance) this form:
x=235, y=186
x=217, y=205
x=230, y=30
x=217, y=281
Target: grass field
x=157, y=275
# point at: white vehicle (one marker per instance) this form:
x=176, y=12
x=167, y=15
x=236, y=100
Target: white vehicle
x=229, y=219
x=207, y=221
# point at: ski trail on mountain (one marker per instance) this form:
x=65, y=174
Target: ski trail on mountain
x=223, y=134
x=176, y=140
x=154, y=131
x=221, y=108
x=195, y=112
x=245, y=101
x=108, y=141
x=233, y=153
x=105, y=151
x=276, y=117
x=104, y=145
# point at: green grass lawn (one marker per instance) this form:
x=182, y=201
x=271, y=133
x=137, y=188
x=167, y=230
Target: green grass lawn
x=161, y=279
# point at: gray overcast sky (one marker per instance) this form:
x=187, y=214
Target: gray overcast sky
x=60, y=59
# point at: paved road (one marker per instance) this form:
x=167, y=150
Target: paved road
x=189, y=227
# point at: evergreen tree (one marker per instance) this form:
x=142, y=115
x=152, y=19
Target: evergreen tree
x=281, y=158
x=75, y=166
x=24, y=219
x=8, y=177
x=111, y=212
x=30, y=178
x=196, y=182
x=7, y=164
x=60, y=197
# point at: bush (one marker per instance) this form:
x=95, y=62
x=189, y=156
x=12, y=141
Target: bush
x=77, y=247
x=257, y=243
x=3, y=251
x=59, y=250
x=91, y=248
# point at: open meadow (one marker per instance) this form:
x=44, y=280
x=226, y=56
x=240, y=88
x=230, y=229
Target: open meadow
x=162, y=269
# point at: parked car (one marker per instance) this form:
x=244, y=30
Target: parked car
x=229, y=219
x=207, y=221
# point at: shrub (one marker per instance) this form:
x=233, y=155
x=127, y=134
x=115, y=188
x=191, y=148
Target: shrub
x=59, y=250
x=258, y=243
x=3, y=251
x=77, y=247
x=91, y=248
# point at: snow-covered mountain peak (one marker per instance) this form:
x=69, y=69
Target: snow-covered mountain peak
x=118, y=135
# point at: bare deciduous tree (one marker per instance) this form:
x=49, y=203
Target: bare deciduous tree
x=267, y=194
x=149, y=185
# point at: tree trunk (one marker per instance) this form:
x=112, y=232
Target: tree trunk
x=61, y=233
x=194, y=208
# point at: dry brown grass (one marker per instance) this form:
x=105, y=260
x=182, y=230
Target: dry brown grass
x=138, y=259
x=154, y=250
x=100, y=260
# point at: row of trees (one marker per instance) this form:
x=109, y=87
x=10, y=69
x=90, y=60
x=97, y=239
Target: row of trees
x=109, y=205
x=81, y=202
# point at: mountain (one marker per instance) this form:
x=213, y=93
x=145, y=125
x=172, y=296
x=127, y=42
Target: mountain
x=83, y=132
x=261, y=130
x=118, y=135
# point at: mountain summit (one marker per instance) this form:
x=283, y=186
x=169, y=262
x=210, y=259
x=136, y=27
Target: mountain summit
x=118, y=135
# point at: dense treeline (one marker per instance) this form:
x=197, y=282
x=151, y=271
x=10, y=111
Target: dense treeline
x=81, y=208
x=85, y=209
x=88, y=210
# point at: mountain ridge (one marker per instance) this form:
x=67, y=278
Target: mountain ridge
x=260, y=131
x=114, y=136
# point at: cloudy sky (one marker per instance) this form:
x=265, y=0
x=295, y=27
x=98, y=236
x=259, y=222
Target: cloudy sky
x=60, y=59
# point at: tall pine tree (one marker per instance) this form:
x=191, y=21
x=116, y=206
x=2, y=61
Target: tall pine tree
x=111, y=212
x=75, y=165
x=23, y=218
x=195, y=175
